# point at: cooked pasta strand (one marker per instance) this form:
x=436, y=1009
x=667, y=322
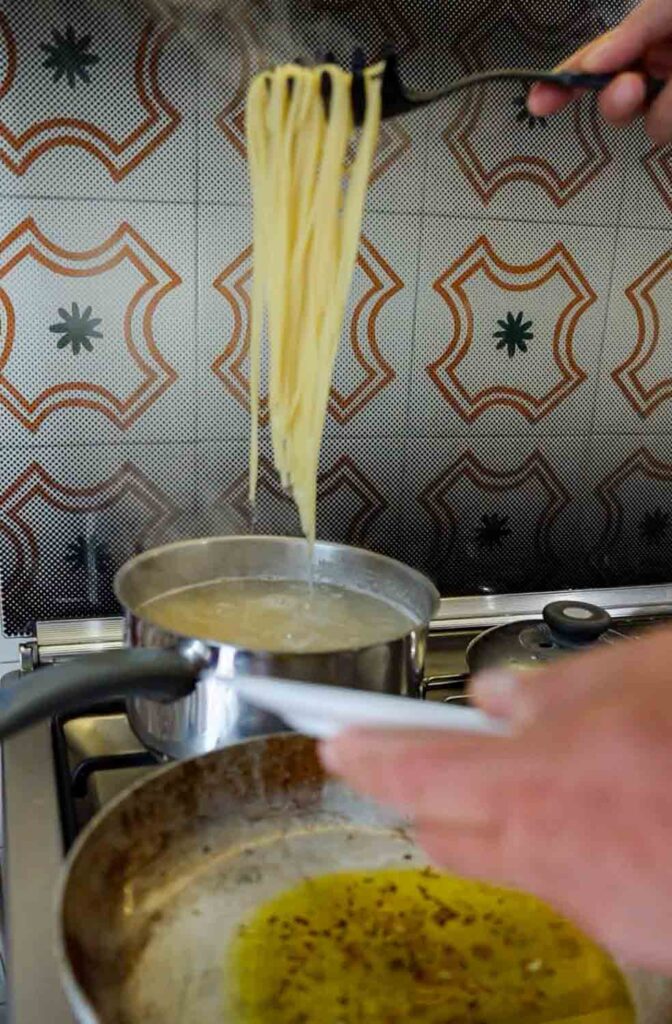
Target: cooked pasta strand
x=308, y=209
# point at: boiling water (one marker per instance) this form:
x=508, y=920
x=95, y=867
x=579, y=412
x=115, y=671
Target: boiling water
x=278, y=615
x=393, y=947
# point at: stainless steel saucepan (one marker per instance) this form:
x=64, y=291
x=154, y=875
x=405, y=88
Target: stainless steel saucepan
x=178, y=699
x=157, y=884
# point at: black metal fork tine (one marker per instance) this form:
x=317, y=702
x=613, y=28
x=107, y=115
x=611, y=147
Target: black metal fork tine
x=392, y=90
x=358, y=89
x=325, y=80
x=325, y=91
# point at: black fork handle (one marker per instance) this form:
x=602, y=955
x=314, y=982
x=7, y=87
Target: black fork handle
x=398, y=100
x=583, y=80
x=55, y=689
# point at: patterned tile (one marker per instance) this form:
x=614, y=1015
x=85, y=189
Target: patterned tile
x=487, y=157
x=238, y=39
x=509, y=328
x=372, y=372
x=358, y=492
x=500, y=334
x=70, y=517
x=494, y=514
x=62, y=134
x=635, y=390
x=628, y=513
x=648, y=187
x=97, y=309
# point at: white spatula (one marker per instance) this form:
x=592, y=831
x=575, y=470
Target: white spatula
x=324, y=711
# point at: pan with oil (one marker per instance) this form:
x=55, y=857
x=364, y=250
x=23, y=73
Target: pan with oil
x=244, y=887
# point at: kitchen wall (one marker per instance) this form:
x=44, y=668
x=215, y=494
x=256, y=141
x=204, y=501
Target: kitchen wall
x=502, y=405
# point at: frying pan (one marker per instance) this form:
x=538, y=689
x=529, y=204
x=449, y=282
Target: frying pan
x=155, y=887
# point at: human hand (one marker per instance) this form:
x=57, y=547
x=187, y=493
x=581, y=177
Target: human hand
x=575, y=807
x=643, y=39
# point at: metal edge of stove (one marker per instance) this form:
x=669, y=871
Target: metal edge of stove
x=33, y=862
x=68, y=637
x=33, y=839
x=482, y=610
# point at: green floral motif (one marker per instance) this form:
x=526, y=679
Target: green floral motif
x=88, y=553
x=68, y=56
x=523, y=116
x=514, y=334
x=76, y=329
x=654, y=527
x=492, y=530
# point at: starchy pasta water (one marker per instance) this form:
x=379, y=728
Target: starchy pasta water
x=308, y=202
x=278, y=615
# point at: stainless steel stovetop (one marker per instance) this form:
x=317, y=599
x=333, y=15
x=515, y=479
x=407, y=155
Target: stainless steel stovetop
x=57, y=775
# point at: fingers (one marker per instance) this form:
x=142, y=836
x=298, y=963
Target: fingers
x=544, y=100
x=658, y=59
x=623, y=99
x=527, y=697
x=469, y=778
x=648, y=25
x=473, y=853
x=620, y=102
x=644, y=36
x=523, y=699
x=658, y=121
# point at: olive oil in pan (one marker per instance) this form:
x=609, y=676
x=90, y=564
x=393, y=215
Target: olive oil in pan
x=399, y=946
x=278, y=615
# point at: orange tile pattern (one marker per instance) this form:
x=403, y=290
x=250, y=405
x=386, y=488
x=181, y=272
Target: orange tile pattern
x=372, y=371
x=563, y=374
x=26, y=242
x=480, y=423
x=120, y=153
x=127, y=496
x=479, y=154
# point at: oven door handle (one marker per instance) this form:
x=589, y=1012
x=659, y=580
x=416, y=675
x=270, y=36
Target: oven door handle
x=55, y=689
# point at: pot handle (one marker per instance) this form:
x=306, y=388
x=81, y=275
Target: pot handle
x=54, y=689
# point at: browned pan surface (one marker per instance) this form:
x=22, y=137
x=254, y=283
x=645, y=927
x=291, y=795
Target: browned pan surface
x=157, y=886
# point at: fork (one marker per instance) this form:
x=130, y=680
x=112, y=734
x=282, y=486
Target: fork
x=397, y=98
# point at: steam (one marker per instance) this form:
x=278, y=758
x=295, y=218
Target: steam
x=284, y=30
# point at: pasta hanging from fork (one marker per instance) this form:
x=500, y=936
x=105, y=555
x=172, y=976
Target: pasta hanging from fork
x=308, y=205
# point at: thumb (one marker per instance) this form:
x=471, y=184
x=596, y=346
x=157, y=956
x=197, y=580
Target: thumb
x=464, y=778
x=522, y=698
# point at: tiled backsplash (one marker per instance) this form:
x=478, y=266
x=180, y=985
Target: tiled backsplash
x=502, y=406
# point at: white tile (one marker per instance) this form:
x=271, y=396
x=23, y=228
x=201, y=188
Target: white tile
x=627, y=515
x=635, y=388
x=648, y=187
x=480, y=284
x=70, y=517
x=494, y=514
x=358, y=492
x=131, y=269
x=127, y=133
x=372, y=371
x=487, y=158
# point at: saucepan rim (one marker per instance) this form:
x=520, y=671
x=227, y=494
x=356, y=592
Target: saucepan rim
x=413, y=575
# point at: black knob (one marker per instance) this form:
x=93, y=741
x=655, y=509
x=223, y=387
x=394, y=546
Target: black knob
x=575, y=622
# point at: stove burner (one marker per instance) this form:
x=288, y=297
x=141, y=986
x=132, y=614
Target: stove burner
x=73, y=780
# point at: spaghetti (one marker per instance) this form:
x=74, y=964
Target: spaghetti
x=308, y=204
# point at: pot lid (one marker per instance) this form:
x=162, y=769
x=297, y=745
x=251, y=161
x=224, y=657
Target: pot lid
x=566, y=627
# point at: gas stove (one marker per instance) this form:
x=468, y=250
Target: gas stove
x=56, y=776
